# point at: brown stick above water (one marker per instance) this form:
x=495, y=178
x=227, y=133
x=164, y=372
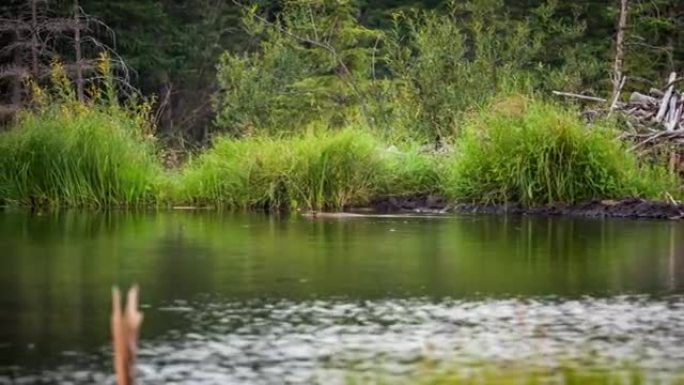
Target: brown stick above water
x=125, y=330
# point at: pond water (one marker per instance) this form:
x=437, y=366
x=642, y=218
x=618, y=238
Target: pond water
x=252, y=299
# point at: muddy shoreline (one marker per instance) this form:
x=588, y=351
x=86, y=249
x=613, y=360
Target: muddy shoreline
x=632, y=208
x=626, y=208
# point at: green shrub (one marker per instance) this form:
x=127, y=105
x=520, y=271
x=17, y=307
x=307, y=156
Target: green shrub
x=537, y=153
x=318, y=63
x=311, y=66
x=328, y=170
x=443, y=63
x=77, y=155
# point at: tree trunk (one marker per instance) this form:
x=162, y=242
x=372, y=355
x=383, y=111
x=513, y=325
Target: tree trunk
x=620, y=48
x=34, y=38
x=77, y=49
x=164, y=109
x=17, y=80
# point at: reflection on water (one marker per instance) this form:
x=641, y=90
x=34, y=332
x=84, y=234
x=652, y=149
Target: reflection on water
x=237, y=298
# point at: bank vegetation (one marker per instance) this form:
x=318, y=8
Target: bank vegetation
x=324, y=112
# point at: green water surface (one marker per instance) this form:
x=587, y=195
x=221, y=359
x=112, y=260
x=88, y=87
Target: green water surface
x=57, y=269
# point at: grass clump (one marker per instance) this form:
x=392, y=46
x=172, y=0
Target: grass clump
x=335, y=169
x=237, y=174
x=77, y=155
x=410, y=172
x=329, y=170
x=532, y=152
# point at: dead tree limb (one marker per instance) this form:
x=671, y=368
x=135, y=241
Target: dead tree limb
x=616, y=94
x=618, y=78
x=578, y=96
x=77, y=49
x=666, y=99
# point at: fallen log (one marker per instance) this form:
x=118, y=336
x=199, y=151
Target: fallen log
x=578, y=96
x=659, y=109
x=640, y=98
x=666, y=99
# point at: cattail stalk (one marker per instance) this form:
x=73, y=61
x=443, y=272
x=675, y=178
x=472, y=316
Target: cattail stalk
x=125, y=331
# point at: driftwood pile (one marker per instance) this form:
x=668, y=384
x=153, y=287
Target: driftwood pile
x=653, y=118
x=662, y=107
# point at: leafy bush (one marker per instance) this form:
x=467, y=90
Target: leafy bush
x=318, y=64
x=443, y=63
x=537, y=153
x=309, y=67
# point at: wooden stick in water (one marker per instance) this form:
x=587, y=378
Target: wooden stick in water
x=125, y=330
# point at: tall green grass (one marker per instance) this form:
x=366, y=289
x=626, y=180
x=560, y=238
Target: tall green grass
x=518, y=150
x=408, y=171
x=75, y=155
x=532, y=152
x=329, y=170
x=336, y=169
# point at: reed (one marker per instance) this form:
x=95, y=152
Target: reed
x=125, y=328
x=335, y=169
x=236, y=174
x=518, y=150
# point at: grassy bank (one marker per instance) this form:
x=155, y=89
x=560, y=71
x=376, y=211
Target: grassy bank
x=330, y=170
x=78, y=156
x=519, y=150
x=534, y=153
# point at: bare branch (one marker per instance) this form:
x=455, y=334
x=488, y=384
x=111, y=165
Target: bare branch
x=13, y=71
x=578, y=96
x=618, y=78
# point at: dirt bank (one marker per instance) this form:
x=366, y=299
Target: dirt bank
x=626, y=208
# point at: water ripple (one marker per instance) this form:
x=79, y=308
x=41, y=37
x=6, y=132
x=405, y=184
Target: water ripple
x=263, y=342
